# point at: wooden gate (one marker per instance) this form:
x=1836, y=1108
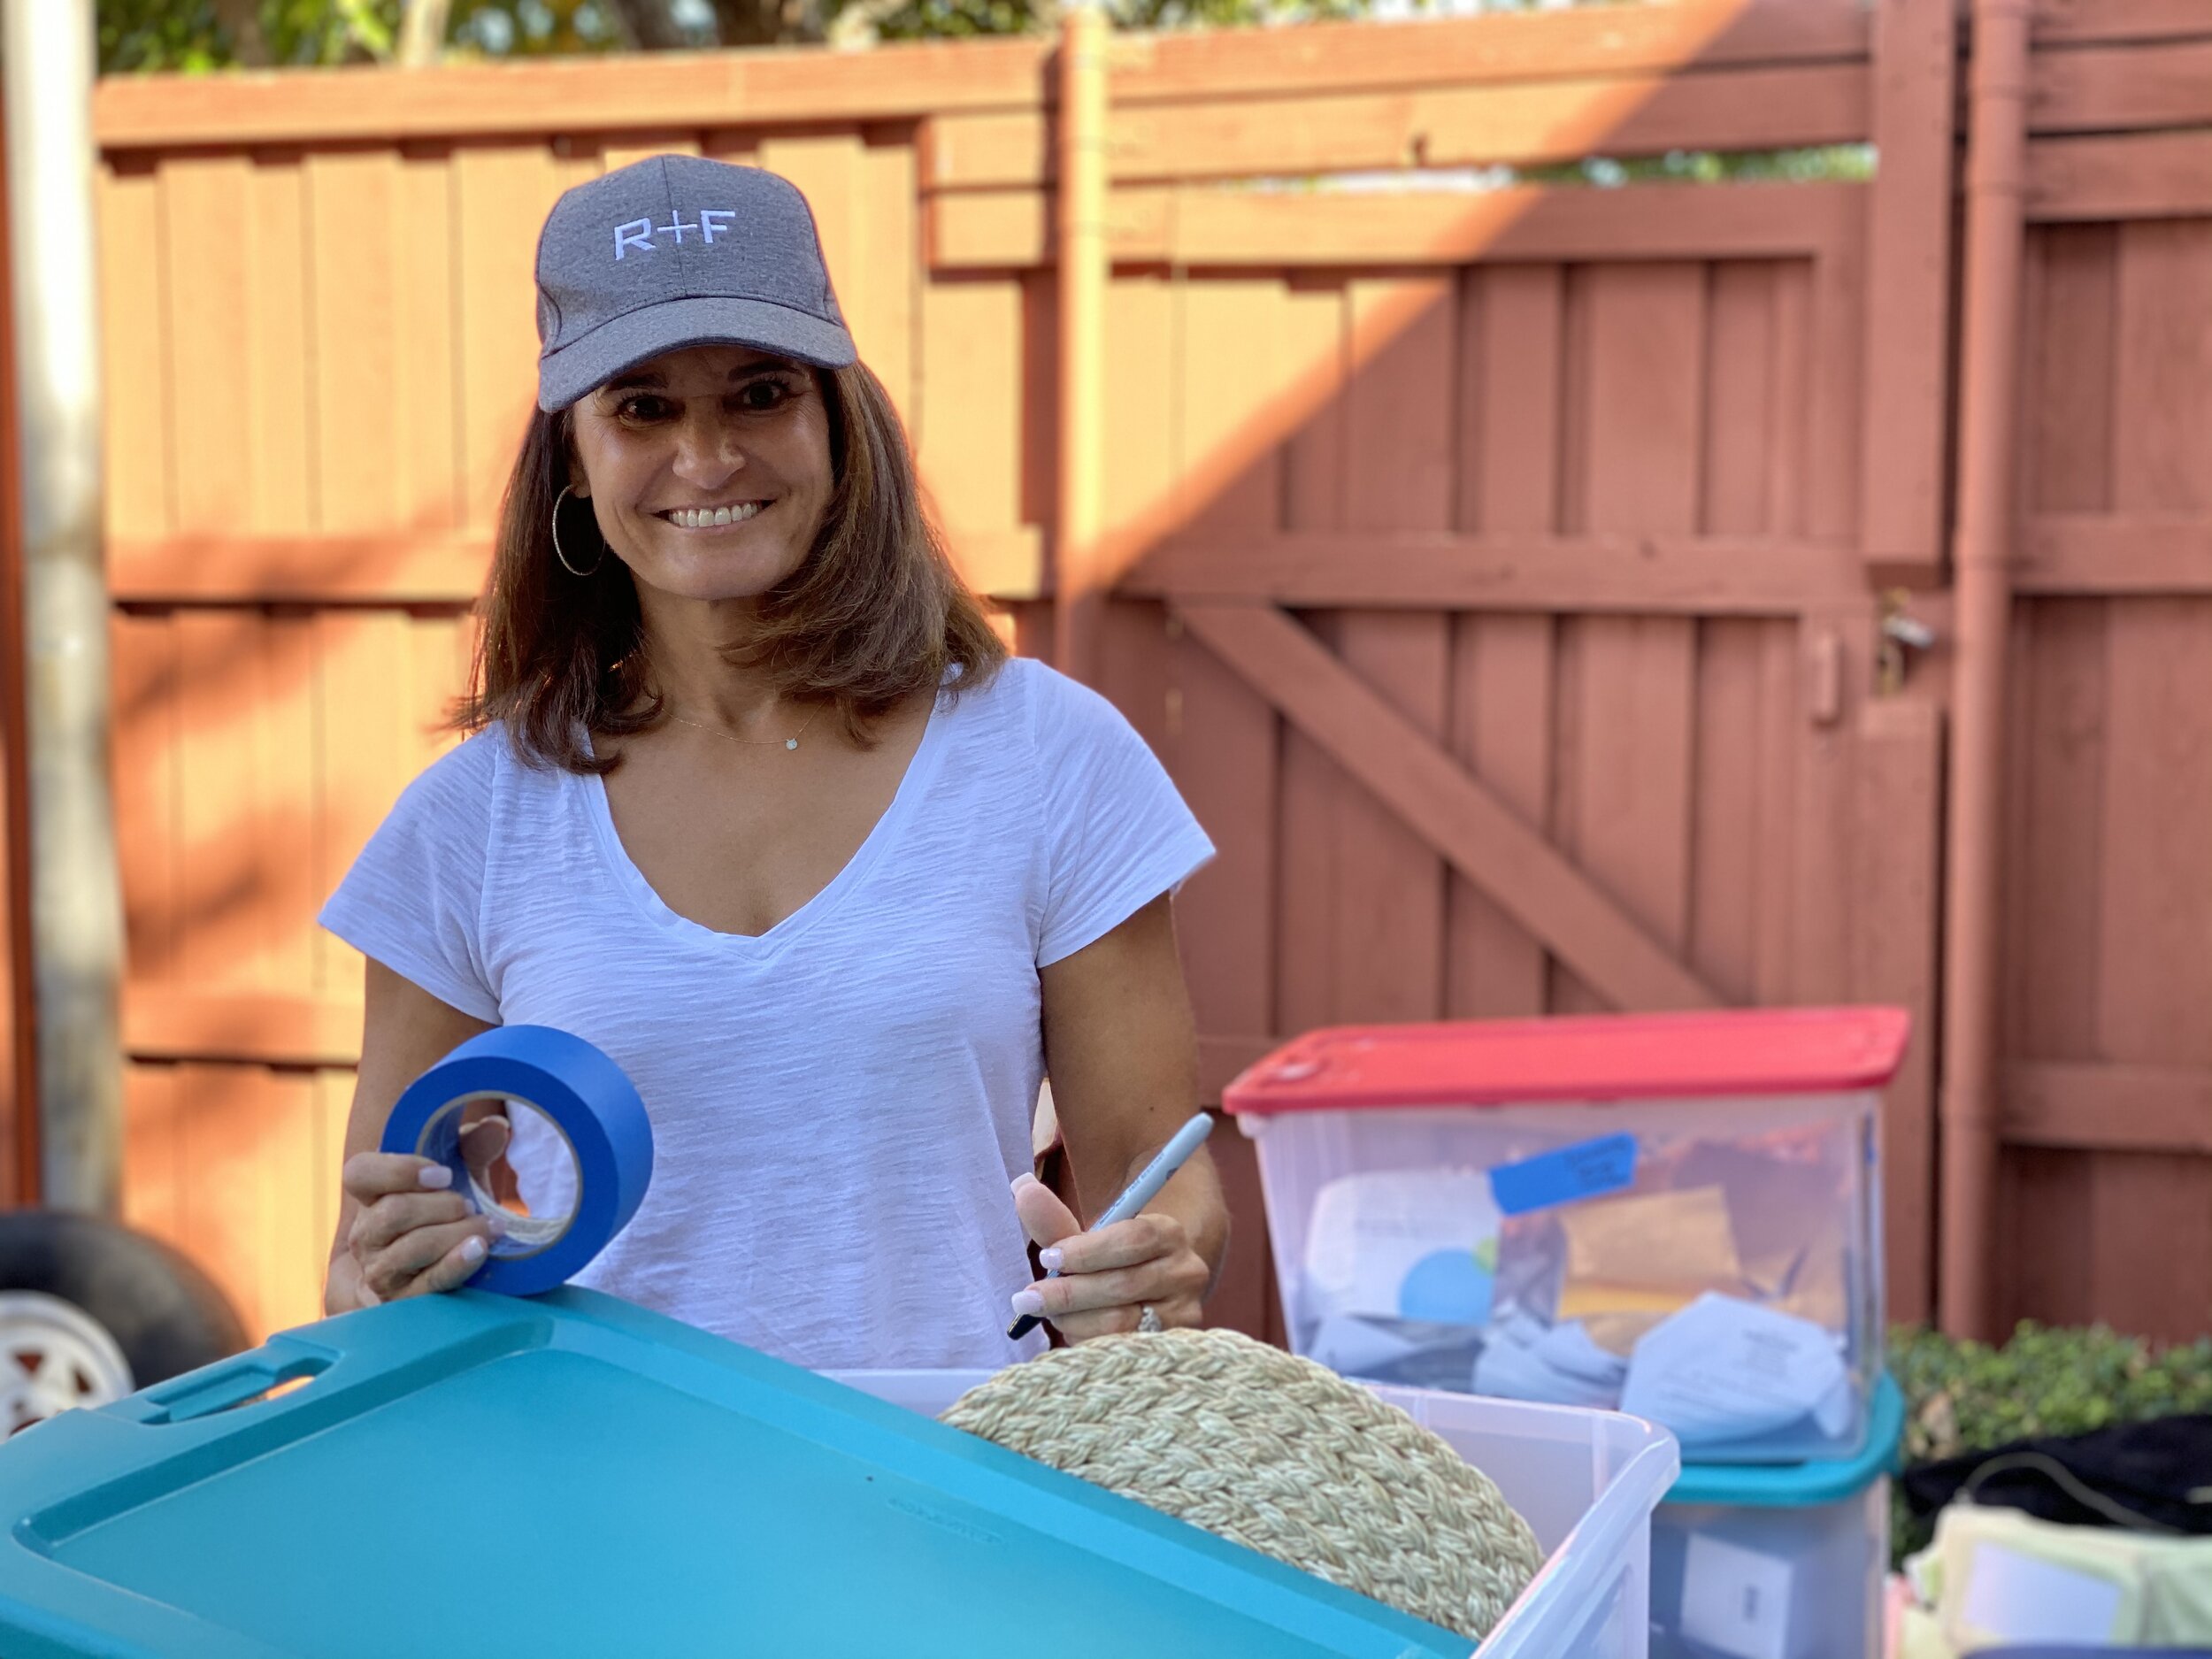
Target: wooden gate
x=1532, y=669
x=2105, y=1195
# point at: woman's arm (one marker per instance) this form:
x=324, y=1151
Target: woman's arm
x=399, y=1234
x=1122, y=1050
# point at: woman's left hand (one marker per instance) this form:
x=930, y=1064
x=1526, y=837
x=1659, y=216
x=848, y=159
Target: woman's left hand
x=1110, y=1276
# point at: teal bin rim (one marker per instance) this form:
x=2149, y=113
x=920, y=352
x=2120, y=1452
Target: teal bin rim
x=1799, y=1485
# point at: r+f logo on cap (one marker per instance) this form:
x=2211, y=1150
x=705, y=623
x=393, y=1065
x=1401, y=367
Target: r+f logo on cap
x=638, y=232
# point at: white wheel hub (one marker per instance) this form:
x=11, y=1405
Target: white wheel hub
x=53, y=1356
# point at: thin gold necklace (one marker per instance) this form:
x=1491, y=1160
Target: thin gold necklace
x=751, y=742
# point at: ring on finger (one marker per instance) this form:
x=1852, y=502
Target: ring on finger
x=1148, y=1319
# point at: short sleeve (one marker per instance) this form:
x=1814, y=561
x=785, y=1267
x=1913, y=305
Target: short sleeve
x=412, y=900
x=1116, y=831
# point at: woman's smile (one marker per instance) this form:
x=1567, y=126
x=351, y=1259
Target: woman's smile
x=719, y=517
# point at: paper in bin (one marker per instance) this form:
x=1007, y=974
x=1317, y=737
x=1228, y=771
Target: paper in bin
x=1418, y=1245
x=1723, y=1369
x=587, y=1097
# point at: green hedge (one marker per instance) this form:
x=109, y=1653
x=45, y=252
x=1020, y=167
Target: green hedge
x=1969, y=1396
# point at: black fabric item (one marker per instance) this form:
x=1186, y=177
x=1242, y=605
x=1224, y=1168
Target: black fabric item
x=2153, y=1477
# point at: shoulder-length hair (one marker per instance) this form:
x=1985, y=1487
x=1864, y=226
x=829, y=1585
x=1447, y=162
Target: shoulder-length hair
x=875, y=614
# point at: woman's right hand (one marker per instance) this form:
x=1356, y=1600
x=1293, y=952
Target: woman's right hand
x=412, y=1235
x=399, y=1232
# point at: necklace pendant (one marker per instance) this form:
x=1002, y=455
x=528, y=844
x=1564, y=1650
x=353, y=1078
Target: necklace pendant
x=791, y=743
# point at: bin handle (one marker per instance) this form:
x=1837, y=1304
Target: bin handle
x=228, y=1384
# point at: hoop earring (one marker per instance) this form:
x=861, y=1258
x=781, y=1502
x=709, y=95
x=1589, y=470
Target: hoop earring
x=557, y=554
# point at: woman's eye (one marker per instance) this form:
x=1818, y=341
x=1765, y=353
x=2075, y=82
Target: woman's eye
x=643, y=408
x=762, y=395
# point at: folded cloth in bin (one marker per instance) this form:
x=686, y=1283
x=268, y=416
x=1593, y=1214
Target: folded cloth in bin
x=1409, y=1352
x=1524, y=1360
x=1277, y=1454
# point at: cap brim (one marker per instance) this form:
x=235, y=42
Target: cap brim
x=639, y=336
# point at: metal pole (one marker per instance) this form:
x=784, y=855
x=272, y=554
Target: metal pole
x=76, y=904
x=1995, y=172
x=1084, y=270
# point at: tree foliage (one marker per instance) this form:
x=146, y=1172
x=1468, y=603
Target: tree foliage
x=203, y=34
x=938, y=19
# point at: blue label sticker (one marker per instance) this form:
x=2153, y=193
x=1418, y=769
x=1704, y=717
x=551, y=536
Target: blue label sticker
x=1582, y=1170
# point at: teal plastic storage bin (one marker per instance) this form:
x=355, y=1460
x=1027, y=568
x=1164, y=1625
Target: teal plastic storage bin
x=572, y=1475
x=1784, y=1561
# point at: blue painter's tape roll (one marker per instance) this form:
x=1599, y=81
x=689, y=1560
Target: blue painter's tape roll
x=587, y=1097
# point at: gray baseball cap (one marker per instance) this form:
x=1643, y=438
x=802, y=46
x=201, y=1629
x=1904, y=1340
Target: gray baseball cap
x=675, y=251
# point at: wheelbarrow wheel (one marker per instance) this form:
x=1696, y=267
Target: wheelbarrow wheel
x=90, y=1311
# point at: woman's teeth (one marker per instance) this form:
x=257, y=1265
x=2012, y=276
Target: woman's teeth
x=709, y=518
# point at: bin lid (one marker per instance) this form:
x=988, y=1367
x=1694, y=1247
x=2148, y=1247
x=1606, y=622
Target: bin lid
x=571, y=1474
x=1588, y=1057
x=1799, y=1486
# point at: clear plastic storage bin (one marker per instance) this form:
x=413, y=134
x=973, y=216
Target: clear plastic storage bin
x=1777, y=1563
x=1587, y=1481
x=1675, y=1215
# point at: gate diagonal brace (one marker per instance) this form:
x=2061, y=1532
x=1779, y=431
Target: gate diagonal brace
x=1483, y=838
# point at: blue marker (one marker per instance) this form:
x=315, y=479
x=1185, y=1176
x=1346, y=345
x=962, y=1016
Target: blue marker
x=1136, y=1196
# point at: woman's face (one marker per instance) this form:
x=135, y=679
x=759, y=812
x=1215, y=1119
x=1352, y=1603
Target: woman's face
x=708, y=469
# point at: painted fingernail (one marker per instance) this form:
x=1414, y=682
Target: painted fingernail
x=472, y=1248
x=1028, y=1302
x=495, y=1224
x=1023, y=1179
x=435, y=1175
x=1051, y=1258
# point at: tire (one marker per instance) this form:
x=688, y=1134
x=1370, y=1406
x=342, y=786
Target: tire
x=90, y=1311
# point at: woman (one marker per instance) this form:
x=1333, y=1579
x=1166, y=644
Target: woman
x=755, y=803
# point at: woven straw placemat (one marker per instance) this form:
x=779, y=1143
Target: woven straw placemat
x=1277, y=1454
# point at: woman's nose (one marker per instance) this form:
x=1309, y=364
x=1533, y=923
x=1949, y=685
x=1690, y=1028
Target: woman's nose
x=708, y=452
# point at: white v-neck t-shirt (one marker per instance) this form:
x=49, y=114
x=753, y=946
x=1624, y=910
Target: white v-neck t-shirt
x=838, y=1104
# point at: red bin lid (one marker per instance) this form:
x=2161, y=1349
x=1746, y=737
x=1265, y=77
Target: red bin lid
x=1599, y=1057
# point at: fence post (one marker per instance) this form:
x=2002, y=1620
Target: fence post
x=1084, y=270
x=76, y=904
x=1995, y=182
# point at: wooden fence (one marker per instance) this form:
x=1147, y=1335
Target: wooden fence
x=2107, y=1108
x=1499, y=572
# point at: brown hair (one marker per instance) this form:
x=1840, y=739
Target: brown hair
x=874, y=614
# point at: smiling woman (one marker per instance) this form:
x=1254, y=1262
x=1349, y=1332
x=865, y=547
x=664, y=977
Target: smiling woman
x=755, y=802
